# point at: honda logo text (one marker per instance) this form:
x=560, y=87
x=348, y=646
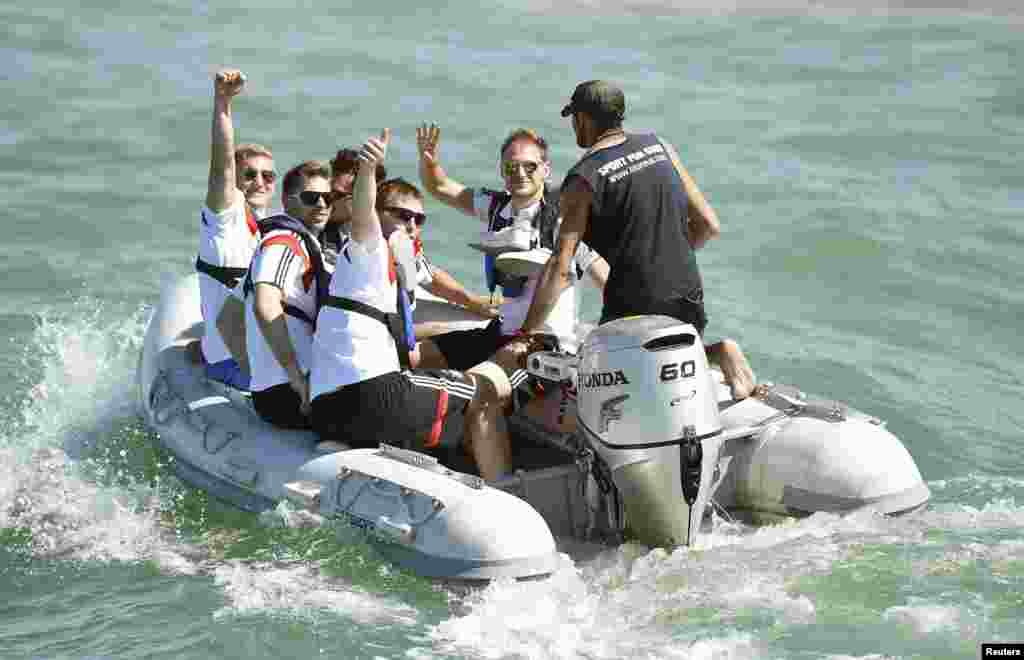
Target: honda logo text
x=603, y=379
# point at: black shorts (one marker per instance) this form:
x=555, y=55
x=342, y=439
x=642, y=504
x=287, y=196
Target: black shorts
x=421, y=409
x=280, y=406
x=688, y=309
x=464, y=349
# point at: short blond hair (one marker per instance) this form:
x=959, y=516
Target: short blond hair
x=527, y=135
x=394, y=188
x=249, y=150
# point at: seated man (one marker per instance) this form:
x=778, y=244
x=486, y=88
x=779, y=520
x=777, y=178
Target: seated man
x=360, y=395
x=281, y=295
x=343, y=175
x=240, y=189
x=527, y=200
x=400, y=206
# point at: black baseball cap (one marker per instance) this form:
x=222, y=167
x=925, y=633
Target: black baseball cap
x=599, y=98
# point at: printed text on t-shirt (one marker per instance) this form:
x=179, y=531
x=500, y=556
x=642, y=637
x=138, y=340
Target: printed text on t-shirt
x=632, y=162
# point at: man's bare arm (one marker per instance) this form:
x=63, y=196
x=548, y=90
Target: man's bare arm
x=268, y=308
x=557, y=274
x=231, y=325
x=365, y=221
x=222, y=190
x=435, y=180
x=445, y=286
x=702, y=221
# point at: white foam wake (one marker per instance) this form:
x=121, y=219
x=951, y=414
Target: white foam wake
x=301, y=589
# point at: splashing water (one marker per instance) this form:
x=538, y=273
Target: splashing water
x=82, y=479
x=822, y=571
x=83, y=363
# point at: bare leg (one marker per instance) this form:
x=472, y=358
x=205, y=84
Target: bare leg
x=487, y=438
x=511, y=357
x=738, y=374
x=555, y=411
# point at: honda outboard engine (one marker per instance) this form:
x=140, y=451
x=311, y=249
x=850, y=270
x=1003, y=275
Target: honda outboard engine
x=647, y=405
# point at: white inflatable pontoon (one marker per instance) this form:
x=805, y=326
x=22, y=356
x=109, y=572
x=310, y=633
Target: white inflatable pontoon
x=660, y=443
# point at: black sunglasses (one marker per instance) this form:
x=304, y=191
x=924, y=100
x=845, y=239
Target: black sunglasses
x=312, y=197
x=250, y=174
x=406, y=215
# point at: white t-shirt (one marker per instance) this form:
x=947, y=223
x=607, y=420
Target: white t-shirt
x=562, y=320
x=349, y=347
x=227, y=239
x=280, y=260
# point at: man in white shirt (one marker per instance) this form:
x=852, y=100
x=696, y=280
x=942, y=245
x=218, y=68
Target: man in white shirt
x=344, y=166
x=360, y=395
x=281, y=291
x=524, y=168
x=392, y=198
x=241, y=186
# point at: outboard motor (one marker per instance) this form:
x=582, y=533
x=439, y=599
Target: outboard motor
x=647, y=405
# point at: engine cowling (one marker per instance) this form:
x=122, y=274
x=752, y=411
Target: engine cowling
x=642, y=380
x=648, y=406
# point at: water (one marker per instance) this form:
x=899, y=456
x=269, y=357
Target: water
x=863, y=159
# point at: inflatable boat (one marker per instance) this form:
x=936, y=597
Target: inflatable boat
x=659, y=446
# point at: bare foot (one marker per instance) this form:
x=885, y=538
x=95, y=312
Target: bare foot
x=738, y=374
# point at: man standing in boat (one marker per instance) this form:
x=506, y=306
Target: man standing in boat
x=239, y=192
x=361, y=395
x=631, y=200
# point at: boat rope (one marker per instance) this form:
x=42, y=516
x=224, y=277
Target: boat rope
x=167, y=404
x=377, y=484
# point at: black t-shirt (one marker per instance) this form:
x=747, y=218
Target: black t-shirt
x=638, y=224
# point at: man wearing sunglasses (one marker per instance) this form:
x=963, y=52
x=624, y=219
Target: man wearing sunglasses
x=285, y=281
x=241, y=186
x=400, y=207
x=343, y=175
x=526, y=201
x=361, y=395
x=631, y=199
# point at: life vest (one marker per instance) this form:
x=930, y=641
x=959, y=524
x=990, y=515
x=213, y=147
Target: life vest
x=545, y=224
x=226, y=275
x=321, y=278
x=399, y=324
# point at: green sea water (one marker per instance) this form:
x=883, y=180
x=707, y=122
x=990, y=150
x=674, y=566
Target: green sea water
x=865, y=165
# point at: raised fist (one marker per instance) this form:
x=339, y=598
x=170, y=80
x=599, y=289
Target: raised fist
x=228, y=82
